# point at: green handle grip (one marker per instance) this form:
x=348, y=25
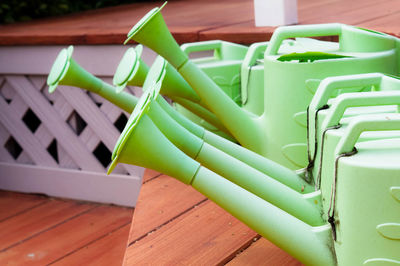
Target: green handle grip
x=201, y=46
x=331, y=84
x=327, y=87
x=347, y=100
x=381, y=122
x=283, y=33
x=250, y=59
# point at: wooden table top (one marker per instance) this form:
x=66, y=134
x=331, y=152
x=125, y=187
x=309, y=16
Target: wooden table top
x=197, y=20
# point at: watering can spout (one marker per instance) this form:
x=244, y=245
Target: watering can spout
x=66, y=71
x=152, y=31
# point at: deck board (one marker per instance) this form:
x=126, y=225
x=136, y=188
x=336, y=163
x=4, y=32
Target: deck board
x=19, y=202
x=195, y=20
x=156, y=210
x=206, y=235
x=36, y=220
x=198, y=232
x=113, y=243
x=53, y=230
x=263, y=253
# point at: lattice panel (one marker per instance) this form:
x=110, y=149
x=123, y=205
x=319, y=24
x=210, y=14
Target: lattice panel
x=69, y=128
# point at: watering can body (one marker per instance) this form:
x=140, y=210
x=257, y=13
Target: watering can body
x=286, y=96
x=329, y=118
x=365, y=200
x=252, y=70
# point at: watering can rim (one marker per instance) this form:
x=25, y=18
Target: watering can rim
x=137, y=113
x=127, y=67
x=155, y=74
x=143, y=21
x=59, y=67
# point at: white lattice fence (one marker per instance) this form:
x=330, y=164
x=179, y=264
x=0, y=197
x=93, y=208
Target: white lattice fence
x=60, y=144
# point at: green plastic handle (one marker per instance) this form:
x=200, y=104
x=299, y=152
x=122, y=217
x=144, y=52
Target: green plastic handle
x=201, y=46
x=283, y=33
x=358, y=99
x=331, y=84
x=250, y=59
x=381, y=122
x=326, y=89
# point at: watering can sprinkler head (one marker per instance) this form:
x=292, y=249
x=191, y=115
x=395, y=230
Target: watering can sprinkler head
x=131, y=69
x=60, y=68
x=140, y=33
x=173, y=84
x=141, y=143
x=66, y=71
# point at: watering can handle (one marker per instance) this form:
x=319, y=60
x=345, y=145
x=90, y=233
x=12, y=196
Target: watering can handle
x=359, y=99
x=283, y=33
x=382, y=122
x=188, y=48
x=250, y=59
x=328, y=86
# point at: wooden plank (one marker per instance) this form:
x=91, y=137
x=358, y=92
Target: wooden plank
x=352, y=12
x=74, y=184
x=19, y=202
x=64, y=134
x=24, y=137
x=160, y=200
x=108, y=250
x=72, y=235
x=150, y=174
x=34, y=221
x=205, y=235
x=262, y=252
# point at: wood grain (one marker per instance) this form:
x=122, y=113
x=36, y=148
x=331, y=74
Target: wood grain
x=68, y=237
x=205, y=235
x=262, y=252
x=34, y=221
x=108, y=251
x=14, y=203
x=161, y=200
x=192, y=20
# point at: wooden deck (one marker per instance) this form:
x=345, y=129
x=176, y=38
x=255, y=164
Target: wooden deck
x=196, y=20
x=174, y=224
x=37, y=230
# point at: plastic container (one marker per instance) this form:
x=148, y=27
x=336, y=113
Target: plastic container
x=367, y=200
x=286, y=96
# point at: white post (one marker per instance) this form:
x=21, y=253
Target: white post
x=275, y=12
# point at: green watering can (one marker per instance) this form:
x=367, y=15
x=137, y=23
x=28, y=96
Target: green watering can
x=275, y=202
x=365, y=201
x=360, y=51
x=327, y=117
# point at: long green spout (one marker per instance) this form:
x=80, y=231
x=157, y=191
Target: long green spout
x=305, y=207
x=256, y=161
x=65, y=71
x=143, y=144
x=310, y=245
x=152, y=31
